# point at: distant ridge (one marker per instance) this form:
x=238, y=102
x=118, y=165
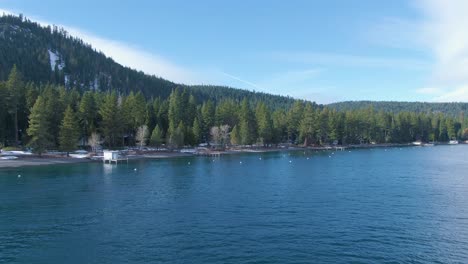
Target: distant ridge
x=451, y=109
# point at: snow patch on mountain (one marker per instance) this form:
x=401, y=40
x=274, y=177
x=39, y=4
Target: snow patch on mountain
x=55, y=60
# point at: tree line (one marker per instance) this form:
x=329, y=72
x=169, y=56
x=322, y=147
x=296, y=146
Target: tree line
x=49, y=116
x=453, y=109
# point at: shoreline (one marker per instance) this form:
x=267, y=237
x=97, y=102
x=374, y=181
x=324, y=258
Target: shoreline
x=29, y=161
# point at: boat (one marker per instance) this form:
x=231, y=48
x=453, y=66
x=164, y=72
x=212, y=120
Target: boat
x=8, y=157
x=417, y=143
x=80, y=154
x=453, y=142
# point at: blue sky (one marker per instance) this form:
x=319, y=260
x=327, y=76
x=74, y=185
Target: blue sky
x=323, y=51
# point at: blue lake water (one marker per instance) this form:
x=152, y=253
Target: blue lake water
x=407, y=205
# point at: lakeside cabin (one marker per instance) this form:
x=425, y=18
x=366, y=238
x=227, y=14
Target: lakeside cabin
x=112, y=156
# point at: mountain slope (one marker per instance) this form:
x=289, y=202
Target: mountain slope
x=50, y=55
x=451, y=109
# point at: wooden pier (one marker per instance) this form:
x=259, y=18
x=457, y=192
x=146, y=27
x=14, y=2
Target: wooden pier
x=209, y=153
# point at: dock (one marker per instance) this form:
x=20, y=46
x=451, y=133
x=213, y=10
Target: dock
x=113, y=156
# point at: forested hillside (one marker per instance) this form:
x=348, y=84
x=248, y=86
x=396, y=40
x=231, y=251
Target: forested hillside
x=51, y=55
x=57, y=92
x=452, y=109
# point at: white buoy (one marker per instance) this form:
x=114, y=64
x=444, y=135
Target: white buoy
x=260, y=158
x=290, y=161
x=19, y=175
x=240, y=162
x=188, y=163
x=329, y=156
x=135, y=169
x=307, y=157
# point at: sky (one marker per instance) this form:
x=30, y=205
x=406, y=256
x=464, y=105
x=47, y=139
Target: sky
x=323, y=51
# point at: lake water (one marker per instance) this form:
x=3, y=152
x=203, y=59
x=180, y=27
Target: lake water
x=407, y=205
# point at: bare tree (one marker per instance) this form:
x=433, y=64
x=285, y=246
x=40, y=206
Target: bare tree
x=215, y=135
x=220, y=134
x=94, y=141
x=142, y=135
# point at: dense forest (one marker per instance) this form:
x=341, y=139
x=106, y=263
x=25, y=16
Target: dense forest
x=56, y=92
x=451, y=109
x=50, y=116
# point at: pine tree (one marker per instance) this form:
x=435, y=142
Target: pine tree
x=196, y=131
x=176, y=139
x=110, y=115
x=307, y=127
x=235, y=136
x=208, y=116
x=293, y=118
x=3, y=113
x=39, y=127
x=247, y=127
x=264, y=124
x=55, y=109
x=88, y=114
x=69, y=131
x=175, y=112
x=156, y=137
x=14, y=86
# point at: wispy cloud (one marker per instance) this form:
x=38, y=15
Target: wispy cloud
x=241, y=80
x=445, y=35
x=396, y=32
x=350, y=60
x=429, y=91
x=440, y=33
x=459, y=94
x=296, y=82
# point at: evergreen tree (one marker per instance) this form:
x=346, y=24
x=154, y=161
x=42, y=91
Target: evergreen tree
x=196, y=131
x=235, y=136
x=279, y=126
x=110, y=115
x=69, y=131
x=175, y=113
x=88, y=114
x=156, y=137
x=308, y=126
x=39, y=127
x=208, y=118
x=3, y=114
x=176, y=138
x=264, y=123
x=14, y=86
x=54, y=108
x=247, y=127
x=294, y=117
